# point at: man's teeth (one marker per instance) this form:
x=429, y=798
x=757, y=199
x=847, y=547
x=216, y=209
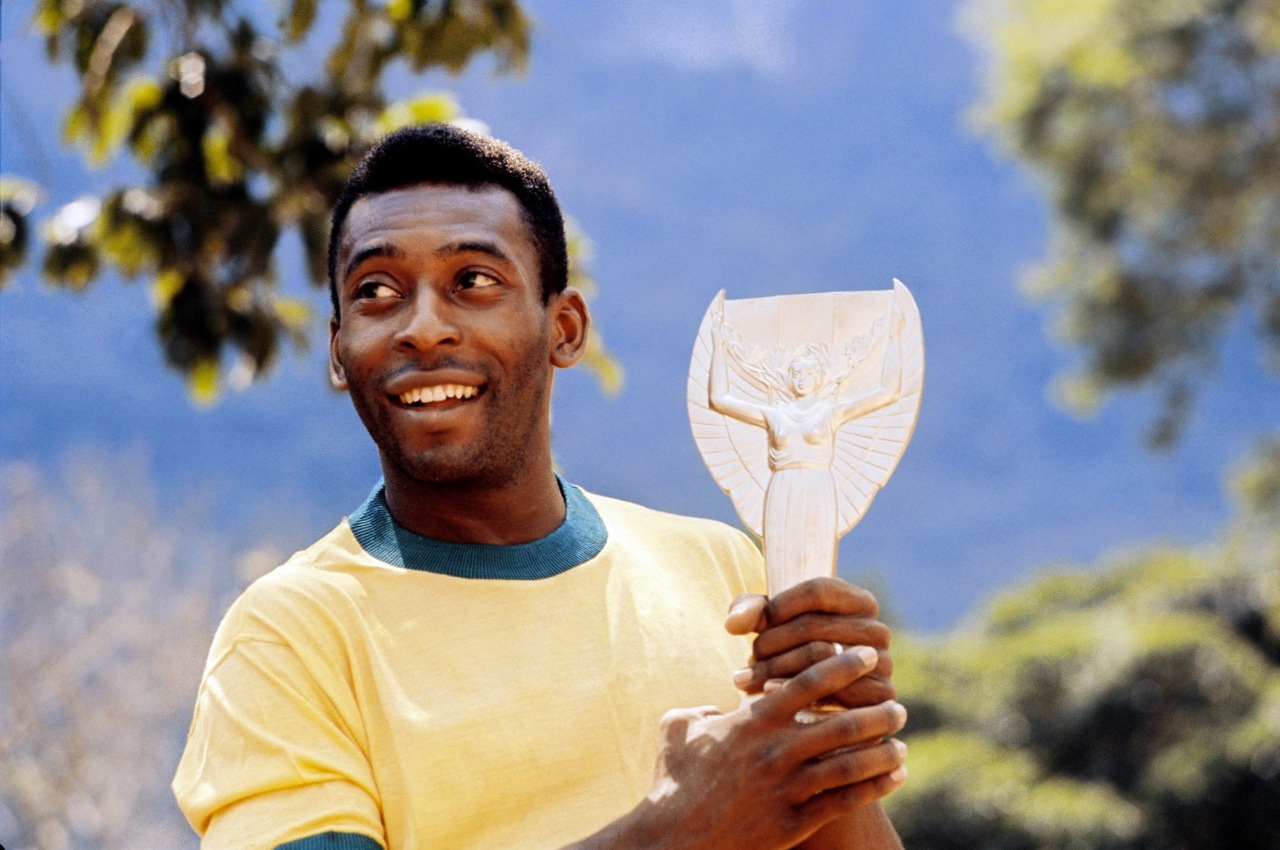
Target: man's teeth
x=439, y=392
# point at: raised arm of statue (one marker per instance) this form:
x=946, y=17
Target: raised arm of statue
x=890, y=389
x=722, y=400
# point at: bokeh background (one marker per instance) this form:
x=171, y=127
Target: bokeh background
x=1079, y=549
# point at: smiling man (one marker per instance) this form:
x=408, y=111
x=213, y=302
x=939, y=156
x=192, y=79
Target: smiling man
x=485, y=656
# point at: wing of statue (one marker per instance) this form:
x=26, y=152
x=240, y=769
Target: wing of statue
x=736, y=453
x=868, y=448
x=755, y=364
x=850, y=361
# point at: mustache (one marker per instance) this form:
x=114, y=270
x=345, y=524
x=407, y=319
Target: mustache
x=432, y=364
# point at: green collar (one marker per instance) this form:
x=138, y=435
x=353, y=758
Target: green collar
x=578, y=539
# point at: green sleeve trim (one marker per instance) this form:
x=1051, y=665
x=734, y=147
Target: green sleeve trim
x=332, y=841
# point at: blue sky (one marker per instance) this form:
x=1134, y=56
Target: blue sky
x=759, y=147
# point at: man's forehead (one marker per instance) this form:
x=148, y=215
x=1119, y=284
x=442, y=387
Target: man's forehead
x=445, y=199
x=440, y=205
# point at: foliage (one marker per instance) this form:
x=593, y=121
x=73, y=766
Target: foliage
x=1132, y=706
x=17, y=197
x=1155, y=126
x=105, y=618
x=241, y=139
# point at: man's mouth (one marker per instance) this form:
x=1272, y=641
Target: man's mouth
x=419, y=396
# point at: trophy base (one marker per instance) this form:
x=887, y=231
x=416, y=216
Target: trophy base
x=819, y=711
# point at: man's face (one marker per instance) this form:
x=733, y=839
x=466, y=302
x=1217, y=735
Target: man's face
x=444, y=342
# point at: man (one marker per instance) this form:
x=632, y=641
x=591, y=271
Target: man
x=483, y=655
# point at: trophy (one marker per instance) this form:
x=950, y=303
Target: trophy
x=801, y=406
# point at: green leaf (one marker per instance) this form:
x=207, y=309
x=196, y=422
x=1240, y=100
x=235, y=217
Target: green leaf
x=223, y=168
x=131, y=105
x=293, y=313
x=49, y=18
x=438, y=107
x=301, y=16
x=400, y=10
x=204, y=382
x=603, y=365
x=75, y=125
x=166, y=285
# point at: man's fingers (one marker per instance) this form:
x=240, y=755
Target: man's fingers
x=839, y=801
x=844, y=629
x=871, y=689
x=856, y=727
x=821, y=680
x=746, y=614
x=832, y=595
x=853, y=766
x=785, y=665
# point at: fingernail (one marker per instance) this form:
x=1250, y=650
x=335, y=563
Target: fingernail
x=868, y=655
x=899, y=774
x=741, y=677
x=901, y=748
x=900, y=711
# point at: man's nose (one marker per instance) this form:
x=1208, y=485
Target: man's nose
x=432, y=321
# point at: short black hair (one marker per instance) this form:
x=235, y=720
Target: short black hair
x=450, y=155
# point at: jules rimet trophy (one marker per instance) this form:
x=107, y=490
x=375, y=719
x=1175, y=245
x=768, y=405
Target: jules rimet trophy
x=801, y=406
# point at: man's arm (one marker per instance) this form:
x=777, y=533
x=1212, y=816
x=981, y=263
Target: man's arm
x=754, y=777
x=867, y=828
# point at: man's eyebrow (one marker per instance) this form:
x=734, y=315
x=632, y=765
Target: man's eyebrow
x=473, y=246
x=378, y=249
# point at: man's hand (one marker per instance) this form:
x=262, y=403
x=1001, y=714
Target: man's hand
x=756, y=778
x=799, y=628
x=802, y=626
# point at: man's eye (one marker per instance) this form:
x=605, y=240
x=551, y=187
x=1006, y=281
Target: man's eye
x=477, y=280
x=375, y=289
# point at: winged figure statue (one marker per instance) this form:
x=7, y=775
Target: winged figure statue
x=801, y=406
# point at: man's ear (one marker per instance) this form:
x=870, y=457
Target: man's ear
x=570, y=320
x=337, y=374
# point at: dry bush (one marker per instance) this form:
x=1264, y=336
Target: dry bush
x=107, y=611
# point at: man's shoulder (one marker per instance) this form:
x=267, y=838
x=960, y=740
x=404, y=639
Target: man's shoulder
x=321, y=581
x=622, y=510
x=327, y=560
x=624, y=518
x=667, y=544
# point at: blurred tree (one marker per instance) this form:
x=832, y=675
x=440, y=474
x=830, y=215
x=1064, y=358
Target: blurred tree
x=105, y=620
x=241, y=136
x=1135, y=706
x=1130, y=708
x=1155, y=127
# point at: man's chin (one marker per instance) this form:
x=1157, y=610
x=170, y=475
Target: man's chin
x=460, y=467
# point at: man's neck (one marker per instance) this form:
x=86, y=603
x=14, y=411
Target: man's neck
x=525, y=509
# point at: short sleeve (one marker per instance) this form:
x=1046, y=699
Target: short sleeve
x=274, y=754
